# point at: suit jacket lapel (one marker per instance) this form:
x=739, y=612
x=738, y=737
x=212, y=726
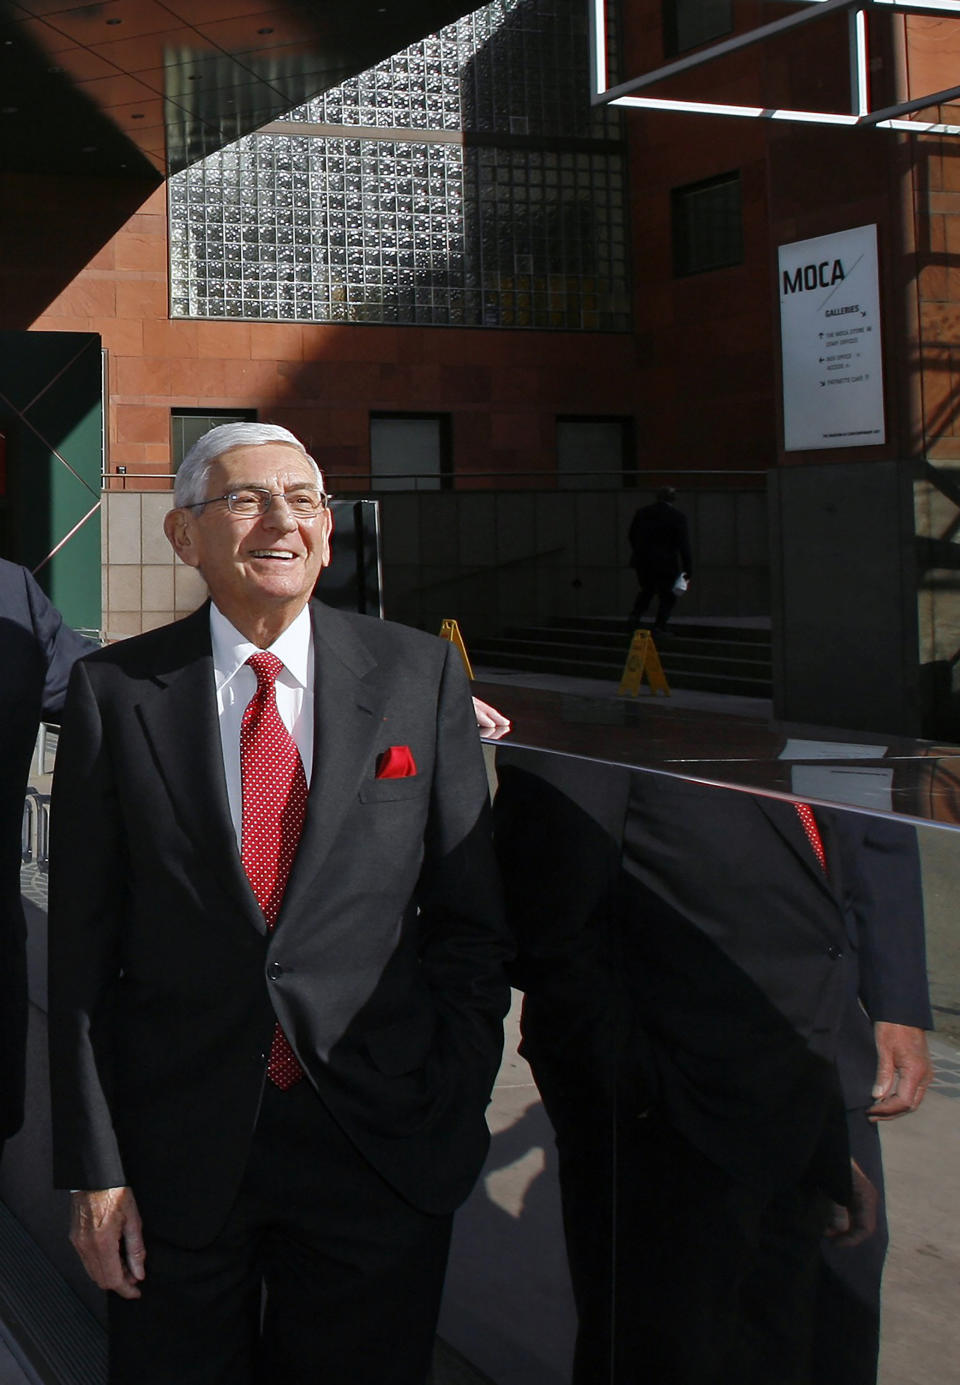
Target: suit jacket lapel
x=785, y=818
x=350, y=690
x=179, y=715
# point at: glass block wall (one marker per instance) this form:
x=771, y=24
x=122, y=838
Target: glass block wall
x=463, y=182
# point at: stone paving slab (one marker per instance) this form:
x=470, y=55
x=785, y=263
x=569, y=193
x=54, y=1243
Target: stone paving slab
x=920, y=1343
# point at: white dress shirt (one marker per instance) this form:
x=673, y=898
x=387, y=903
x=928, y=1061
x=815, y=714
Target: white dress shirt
x=236, y=684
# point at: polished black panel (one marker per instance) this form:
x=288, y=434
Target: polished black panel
x=880, y=774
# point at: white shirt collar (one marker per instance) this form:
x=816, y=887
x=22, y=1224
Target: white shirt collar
x=231, y=650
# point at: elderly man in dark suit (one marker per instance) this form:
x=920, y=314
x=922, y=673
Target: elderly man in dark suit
x=701, y=975
x=276, y=997
x=37, y=652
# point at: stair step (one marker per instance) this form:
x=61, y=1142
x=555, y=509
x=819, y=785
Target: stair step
x=614, y=656
x=705, y=655
x=746, y=634
x=614, y=641
x=712, y=680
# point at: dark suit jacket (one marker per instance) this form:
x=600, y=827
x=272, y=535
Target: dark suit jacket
x=37, y=652
x=883, y=912
x=660, y=540
x=681, y=946
x=386, y=964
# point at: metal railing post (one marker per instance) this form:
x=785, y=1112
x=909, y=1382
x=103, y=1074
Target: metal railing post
x=28, y=827
x=43, y=832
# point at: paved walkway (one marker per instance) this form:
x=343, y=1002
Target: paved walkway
x=921, y=1322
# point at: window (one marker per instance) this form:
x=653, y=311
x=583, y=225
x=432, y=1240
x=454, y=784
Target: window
x=690, y=23
x=503, y=206
x=707, y=225
x=187, y=425
x=410, y=452
x=594, y=453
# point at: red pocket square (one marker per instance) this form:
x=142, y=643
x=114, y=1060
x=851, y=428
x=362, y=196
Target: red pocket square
x=396, y=762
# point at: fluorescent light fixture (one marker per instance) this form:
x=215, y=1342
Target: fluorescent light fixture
x=889, y=118
x=859, y=61
x=939, y=6
x=653, y=103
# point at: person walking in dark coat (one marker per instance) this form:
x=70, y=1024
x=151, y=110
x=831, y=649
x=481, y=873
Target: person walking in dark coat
x=659, y=553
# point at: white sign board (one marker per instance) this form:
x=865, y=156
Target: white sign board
x=831, y=341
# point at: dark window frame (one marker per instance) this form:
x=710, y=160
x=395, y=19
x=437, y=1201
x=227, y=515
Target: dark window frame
x=674, y=42
x=628, y=442
x=686, y=260
x=445, y=421
x=227, y=415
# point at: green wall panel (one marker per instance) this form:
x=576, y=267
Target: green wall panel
x=51, y=410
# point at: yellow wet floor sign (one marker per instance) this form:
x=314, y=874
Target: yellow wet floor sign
x=450, y=630
x=643, y=659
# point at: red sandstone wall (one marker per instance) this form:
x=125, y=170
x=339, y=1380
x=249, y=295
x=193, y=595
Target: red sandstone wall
x=700, y=374
x=711, y=342
x=704, y=342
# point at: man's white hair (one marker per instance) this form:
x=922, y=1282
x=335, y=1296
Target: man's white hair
x=190, y=486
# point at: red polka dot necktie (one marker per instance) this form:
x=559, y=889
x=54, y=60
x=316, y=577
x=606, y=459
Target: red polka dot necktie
x=805, y=814
x=274, y=804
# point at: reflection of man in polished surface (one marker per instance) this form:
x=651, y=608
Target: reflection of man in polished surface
x=37, y=652
x=692, y=976
x=884, y=1068
x=276, y=957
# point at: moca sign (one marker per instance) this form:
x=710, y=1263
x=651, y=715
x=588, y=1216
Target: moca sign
x=831, y=341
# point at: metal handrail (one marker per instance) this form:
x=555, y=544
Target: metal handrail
x=35, y=829
x=48, y=728
x=42, y=748
x=464, y=574
x=28, y=827
x=43, y=833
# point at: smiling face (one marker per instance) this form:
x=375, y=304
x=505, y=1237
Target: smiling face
x=261, y=571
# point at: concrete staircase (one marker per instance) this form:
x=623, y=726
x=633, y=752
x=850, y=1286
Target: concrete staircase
x=709, y=655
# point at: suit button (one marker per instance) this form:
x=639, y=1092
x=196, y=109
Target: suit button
x=274, y=971
x=834, y=953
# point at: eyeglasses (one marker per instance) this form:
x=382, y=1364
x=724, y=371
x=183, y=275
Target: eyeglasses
x=305, y=502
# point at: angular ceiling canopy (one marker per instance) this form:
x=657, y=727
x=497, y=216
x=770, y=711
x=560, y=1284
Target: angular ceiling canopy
x=141, y=88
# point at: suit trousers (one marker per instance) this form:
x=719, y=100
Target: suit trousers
x=847, y=1341
x=659, y=584
x=683, y=1275
x=322, y=1272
